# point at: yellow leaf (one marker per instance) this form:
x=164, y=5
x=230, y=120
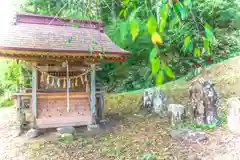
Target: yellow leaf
x=156, y=38
x=167, y=5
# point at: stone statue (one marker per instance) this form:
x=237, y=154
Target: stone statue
x=233, y=117
x=203, y=102
x=156, y=101
x=175, y=113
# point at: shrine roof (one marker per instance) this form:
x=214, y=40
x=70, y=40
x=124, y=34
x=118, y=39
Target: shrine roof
x=31, y=32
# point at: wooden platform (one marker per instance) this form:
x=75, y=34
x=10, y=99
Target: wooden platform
x=52, y=108
x=63, y=121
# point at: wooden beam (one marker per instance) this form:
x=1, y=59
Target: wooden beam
x=40, y=56
x=59, y=68
x=55, y=53
x=93, y=93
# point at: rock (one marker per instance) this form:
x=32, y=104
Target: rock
x=193, y=136
x=193, y=156
x=155, y=100
x=233, y=117
x=189, y=136
x=93, y=127
x=176, y=112
x=33, y=133
x=203, y=102
x=147, y=99
x=177, y=134
x=64, y=130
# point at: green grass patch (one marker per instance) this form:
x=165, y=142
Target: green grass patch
x=7, y=103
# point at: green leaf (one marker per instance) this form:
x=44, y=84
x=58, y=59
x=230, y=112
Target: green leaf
x=173, y=22
x=152, y=25
x=187, y=40
x=211, y=126
x=188, y=46
x=164, y=12
x=123, y=30
x=160, y=78
x=181, y=10
x=125, y=13
x=125, y=2
x=206, y=45
x=153, y=54
x=134, y=29
x=155, y=66
x=162, y=25
x=184, y=13
x=209, y=52
x=133, y=13
x=208, y=32
x=121, y=12
x=168, y=71
x=134, y=5
x=170, y=3
x=197, y=52
x=187, y=3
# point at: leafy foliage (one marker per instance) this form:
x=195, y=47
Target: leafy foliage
x=174, y=13
x=13, y=76
x=184, y=35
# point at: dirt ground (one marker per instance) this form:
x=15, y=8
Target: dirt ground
x=134, y=136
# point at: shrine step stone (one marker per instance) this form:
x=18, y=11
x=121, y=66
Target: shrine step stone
x=64, y=130
x=33, y=133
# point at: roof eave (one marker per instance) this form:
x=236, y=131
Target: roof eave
x=60, y=51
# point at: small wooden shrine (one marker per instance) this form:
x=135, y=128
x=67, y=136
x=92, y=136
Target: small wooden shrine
x=63, y=55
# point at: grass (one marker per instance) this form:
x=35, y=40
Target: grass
x=7, y=103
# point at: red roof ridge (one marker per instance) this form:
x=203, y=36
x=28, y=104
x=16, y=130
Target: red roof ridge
x=53, y=20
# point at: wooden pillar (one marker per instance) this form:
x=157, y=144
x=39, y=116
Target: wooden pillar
x=19, y=116
x=102, y=105
x=93, y=92
x=34, y=92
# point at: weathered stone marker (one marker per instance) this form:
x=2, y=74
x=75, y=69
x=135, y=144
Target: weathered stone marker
x=233, y=117
x=203, y=102
x=176, y=112
x=154, y=99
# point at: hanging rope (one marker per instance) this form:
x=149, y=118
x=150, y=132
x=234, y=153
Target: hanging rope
x=64, y=78
x=67, y=80
x=68, y=86
x=51, y=80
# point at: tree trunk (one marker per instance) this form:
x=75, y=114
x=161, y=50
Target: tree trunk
x=113, y=12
